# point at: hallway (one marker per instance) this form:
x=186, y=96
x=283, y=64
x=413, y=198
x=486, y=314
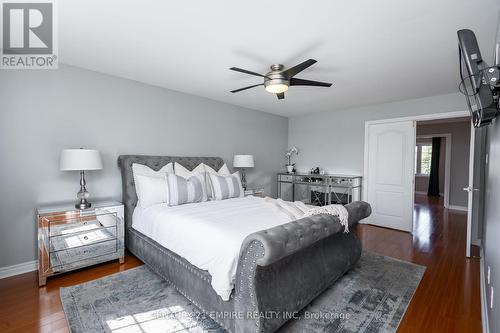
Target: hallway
x=448, y=298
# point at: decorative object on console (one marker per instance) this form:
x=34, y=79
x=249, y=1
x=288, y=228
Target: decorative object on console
x=243, y=161
x=315, y=171
x=81, y=160
x=290, y=167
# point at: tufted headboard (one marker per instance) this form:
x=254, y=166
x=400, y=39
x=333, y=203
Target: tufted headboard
x=156, y=163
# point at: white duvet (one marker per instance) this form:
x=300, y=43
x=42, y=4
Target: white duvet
x=209, y=234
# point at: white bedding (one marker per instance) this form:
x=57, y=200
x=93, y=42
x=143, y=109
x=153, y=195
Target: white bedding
x=209, y=234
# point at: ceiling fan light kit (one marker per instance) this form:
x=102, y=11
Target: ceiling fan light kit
x=279, y=79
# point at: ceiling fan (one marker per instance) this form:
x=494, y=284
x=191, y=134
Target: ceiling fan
x=279, y=79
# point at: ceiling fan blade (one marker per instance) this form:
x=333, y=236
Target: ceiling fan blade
x=298, y=68
x=281, y=95
x=302, y=82
x=255, y=85
x=245, y=71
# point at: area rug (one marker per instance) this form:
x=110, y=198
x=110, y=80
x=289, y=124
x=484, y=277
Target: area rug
x=371, y=298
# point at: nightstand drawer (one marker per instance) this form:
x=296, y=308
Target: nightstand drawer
x=81, y=239
x=73, y=224
x=77, y=256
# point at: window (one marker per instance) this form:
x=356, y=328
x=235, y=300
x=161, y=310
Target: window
x=423, y=153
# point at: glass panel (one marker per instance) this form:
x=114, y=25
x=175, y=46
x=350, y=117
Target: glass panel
x=425, y=164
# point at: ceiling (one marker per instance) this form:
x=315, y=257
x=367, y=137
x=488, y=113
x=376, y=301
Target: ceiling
x=372, y=51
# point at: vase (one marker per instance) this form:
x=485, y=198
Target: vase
x=289, y=168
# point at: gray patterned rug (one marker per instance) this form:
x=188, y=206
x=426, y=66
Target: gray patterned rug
x=371, y=298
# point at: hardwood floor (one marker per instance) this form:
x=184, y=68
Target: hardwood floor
x=447, y=300
x=448, y=297
x=26, y=308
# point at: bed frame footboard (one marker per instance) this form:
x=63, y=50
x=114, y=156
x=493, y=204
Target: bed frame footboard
x=283, y=269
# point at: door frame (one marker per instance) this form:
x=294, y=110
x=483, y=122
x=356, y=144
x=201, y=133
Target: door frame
x=470, y=192
x=433, y=116
x=447, y=164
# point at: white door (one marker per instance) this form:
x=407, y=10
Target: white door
x=390, y=174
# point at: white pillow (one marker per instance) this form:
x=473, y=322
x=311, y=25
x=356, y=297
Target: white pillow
x=198, y=172
x=225, y=187
x=223, y=171
x=150, y=191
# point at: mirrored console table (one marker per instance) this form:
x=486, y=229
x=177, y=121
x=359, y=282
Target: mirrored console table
x=317, y=189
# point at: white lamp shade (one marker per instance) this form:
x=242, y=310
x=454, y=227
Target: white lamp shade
x=80, y=159
x=243, y=161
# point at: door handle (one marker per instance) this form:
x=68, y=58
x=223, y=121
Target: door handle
x=470, y=189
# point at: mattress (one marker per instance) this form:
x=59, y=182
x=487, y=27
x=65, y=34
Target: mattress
x=209, y=234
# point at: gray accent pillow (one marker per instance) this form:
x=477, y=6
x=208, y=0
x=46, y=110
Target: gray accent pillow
x=225, y=187
x=182, y=191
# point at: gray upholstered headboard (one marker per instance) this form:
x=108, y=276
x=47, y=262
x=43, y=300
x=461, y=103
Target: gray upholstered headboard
x=156, y=163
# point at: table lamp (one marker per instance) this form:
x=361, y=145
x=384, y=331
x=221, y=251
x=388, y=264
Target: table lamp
x=243, y=161
x=81, y=160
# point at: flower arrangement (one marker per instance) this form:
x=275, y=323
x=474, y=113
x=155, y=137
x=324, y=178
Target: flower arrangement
x=289, y=153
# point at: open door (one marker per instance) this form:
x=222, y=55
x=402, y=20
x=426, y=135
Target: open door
x=390, y=174
x=475, y=189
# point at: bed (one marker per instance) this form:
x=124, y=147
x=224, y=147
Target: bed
x=279, y=270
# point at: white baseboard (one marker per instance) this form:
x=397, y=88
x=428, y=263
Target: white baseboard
x=21, y=268
x=484, y=299
x=455, y=207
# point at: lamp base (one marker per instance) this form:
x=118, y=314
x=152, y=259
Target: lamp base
x=243, y=179
x=83, y=205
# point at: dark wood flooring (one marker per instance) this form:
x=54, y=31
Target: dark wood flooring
x=447, y=300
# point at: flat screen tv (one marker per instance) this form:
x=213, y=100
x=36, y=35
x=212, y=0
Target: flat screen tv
x=480, y=81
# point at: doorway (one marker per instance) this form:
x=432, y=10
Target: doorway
x=391, y=157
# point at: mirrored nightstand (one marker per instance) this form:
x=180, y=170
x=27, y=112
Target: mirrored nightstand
x=70, y=239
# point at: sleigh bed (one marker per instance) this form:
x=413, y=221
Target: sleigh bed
x=280, y=270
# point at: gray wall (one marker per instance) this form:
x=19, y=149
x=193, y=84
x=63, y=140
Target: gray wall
x=491, y=236
x=335, y=140
x=460, y=149
x=42, y=112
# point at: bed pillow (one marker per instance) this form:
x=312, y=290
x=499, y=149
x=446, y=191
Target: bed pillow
x=152, y=190
x=150, y=185
x=199, y=172
x=182, y=191
x=225, y=187
x=223, y=171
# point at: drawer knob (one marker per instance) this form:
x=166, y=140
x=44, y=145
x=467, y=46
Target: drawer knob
x=85, y=237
